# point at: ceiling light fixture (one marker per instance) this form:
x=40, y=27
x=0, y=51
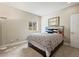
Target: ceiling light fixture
x=68, y=2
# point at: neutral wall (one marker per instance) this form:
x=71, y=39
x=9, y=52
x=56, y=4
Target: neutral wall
x=15, y=27
x=65, y=15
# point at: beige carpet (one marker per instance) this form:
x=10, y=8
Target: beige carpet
x=24, y=51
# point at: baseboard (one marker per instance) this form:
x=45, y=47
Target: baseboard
x=65, y=43
x=11, y=44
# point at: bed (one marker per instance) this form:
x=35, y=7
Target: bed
x=45, y=43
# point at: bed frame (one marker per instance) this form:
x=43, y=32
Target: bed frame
x=43, y=52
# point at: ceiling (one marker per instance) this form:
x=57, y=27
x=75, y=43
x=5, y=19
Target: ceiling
x=39, y=8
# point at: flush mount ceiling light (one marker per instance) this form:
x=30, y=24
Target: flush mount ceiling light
x=68, y=2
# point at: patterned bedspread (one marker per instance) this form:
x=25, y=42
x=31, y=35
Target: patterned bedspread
x=44, y=41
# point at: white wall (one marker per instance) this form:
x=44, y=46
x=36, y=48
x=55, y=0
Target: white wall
x=64, y=19
x=16, y=23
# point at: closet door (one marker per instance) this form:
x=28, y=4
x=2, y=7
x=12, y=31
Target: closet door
x=0, y=32
x=74, y=30
x=4, y=31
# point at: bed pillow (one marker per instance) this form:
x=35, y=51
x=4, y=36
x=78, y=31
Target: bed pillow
x=52, y=31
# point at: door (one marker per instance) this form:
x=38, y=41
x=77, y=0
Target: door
x=4, y=32
x=74, y=30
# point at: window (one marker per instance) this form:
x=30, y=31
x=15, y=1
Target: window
x=32, y=26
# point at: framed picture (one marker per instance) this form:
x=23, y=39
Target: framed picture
x=54, y=21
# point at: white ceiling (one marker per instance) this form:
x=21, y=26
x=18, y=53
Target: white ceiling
x=39, y=8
